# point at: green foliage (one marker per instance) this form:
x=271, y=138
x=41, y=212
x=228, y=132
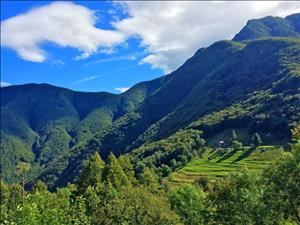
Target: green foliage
x=114, y=175
x=235, y=199
x=236, y=144
x=4, y=196
x=40, y=186
x=203, y=183
x=168, y=153
x=243, y=197
x=127, y=167
x=4, y=191
x=233, y=135
x=188, y=202
x=166, y=170
x=256, y=139
x=281, y=195
x=91, y=174
x=43, y=207
x=296, y=134
x=138, y=206
x=149, y=180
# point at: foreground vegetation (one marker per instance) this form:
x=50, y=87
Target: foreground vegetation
x=111, y=194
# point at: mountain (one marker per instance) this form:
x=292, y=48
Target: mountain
x=251, y=85
x=40, y=123
x=270, y=27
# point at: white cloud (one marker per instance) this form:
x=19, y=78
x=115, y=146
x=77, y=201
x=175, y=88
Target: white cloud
x=173, y=31
x=112, y=59
x=121, y=89
x=63, y=23
x=85, y=79
x=4, y=84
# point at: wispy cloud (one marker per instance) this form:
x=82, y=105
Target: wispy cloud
x=121, y=89
x=85, y=79
x=116, y=58
x=4, y=84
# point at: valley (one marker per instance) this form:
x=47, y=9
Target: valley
x=215, y=141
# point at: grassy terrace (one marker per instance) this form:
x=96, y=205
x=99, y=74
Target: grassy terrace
x=215, y=163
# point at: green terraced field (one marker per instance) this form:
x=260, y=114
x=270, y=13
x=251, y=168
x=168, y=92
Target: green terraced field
x=215, y=163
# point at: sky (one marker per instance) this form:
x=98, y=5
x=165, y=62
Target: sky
x=110, y=46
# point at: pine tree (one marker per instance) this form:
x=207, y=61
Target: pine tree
x=127, y=167
x=256, y=140
x=149, y=180
x=113, y=173
x=91, y=174
x=233, y=135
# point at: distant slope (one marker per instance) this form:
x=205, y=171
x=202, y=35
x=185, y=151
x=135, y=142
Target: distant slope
x=40, y=122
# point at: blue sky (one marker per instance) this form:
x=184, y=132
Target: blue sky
x=110, y=46
x=117, y=70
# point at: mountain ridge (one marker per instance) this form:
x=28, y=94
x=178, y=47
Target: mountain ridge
x=270, y=26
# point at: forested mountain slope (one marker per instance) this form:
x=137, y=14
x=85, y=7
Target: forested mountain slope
x=252, y=85
x=40, y=122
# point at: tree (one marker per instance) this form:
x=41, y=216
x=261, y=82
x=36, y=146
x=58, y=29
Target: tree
x=183, y=159
x=140, y=167
x=15, y=196
x=139, y=206
x=235, y=199
x=113, y=173
x=4, y=195
x=188, y=202
x=149, y=180
x=166, y=170
x=173, y=164
x=281, y=196
x=203, y=183
x=233, y=135
x=22, y=169
x=40, y=186
x=4, y=191
x=127, y=167
x=256, y=139
x=295, y=131
x=200, y=142
x=91, y=174
x=236, y=144
x=44, y=207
